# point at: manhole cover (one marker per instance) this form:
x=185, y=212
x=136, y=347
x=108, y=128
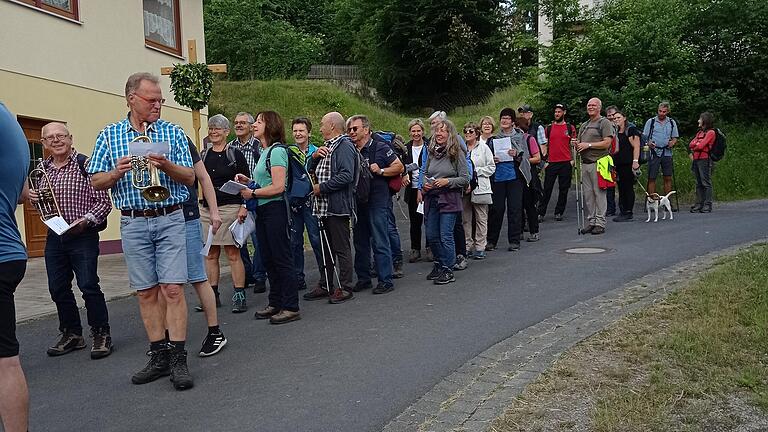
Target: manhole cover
x=585, y=250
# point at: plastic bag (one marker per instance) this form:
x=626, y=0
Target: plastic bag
x=241, y=231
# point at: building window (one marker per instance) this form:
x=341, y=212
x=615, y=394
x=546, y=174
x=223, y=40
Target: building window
x=65, y=8
x=162, y=25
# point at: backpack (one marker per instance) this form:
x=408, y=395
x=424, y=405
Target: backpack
x=569, y=127
x=299, y=184
x=229, y=152
x=81, y=161
x=526, y=139
x=614, y=143
x=717, y=152
x=397, y=144
x=650, y=134
x=362, y=180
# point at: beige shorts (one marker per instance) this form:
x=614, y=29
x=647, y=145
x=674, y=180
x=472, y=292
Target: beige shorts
x=228, y=215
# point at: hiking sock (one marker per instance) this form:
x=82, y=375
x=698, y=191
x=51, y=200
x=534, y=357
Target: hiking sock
x=158, y=346
x=176, y=345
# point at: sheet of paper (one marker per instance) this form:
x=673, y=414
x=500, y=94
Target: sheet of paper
x=501, y=148
x=208, y=242
x=58, y=225
x=420, y=208
x=143, y=148
x=232, y=187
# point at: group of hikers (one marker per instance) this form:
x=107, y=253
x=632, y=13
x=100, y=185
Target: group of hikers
x=458, y=185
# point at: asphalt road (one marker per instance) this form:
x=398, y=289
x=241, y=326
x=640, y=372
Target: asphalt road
x=355, y=366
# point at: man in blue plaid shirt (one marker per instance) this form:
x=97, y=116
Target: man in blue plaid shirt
x=153, y=233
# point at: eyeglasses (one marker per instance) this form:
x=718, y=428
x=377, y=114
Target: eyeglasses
x=469, y=131
x=150, y=101
x=216, y=129
x=353, y=129
x=242, y=123
x=57, y=137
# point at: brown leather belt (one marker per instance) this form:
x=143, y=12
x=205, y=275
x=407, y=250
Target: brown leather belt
x=150, y=213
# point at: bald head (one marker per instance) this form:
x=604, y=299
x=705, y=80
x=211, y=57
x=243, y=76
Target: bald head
x=593, y=108
x=53, y=128
x=332, y=125
x=57, y=141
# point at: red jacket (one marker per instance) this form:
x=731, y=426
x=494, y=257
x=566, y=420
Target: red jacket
x=702, y=143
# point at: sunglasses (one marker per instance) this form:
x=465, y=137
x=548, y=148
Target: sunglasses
x=469, y=131
x=353, y=129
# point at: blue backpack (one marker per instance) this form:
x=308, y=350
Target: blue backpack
x=299, y=183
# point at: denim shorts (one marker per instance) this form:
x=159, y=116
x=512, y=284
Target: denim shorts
x=665, y=162
x=195, y=263
x=155, y=249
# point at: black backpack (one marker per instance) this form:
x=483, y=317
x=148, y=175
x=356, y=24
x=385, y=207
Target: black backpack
x=718, y=148
x=81, y=162
x=362, y=180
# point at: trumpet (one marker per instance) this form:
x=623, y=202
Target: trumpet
x=39, y=182
x=146, y=177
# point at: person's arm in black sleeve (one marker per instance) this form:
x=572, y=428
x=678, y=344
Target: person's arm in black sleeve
x=346, y=157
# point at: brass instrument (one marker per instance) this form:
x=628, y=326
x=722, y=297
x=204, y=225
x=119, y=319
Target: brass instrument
x=39, y=182
x=146, y=177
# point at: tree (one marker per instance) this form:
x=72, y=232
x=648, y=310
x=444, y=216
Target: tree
x=434, y=53
x=252, y=37
x=707, y=55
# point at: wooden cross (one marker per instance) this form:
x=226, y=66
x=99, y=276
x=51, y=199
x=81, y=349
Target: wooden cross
x=215, y=68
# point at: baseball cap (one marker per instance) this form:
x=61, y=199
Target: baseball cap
x=561, y=106
x=525, y=108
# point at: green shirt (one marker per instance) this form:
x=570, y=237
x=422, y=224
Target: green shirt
x=278, y=157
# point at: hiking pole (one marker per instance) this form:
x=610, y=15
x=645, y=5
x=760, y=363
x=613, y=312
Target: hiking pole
x=400, y=205
x=579, y=191
x=324, y=243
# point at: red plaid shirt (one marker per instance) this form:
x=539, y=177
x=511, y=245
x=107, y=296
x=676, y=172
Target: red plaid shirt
x=74, y=193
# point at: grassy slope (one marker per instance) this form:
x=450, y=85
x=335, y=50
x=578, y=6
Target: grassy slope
x=739, y=176
x=693, y=362
x=315, y=98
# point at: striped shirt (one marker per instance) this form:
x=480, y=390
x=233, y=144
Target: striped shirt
x=74, y=194
x=251, y=150
x=112, y=144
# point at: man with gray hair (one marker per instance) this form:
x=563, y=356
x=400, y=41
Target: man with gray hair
x=372, y=228
x=593, y=144
x=336, y=168
x=662, y=134
x=75, y=252
x=153, y=232
x=255, y=273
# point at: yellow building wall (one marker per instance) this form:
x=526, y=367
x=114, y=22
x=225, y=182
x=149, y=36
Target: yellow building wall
x=85, y=112
x=75, y=72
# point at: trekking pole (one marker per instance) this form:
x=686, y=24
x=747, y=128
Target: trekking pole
x=400, y=204
x=579, y=191
x=324, y=243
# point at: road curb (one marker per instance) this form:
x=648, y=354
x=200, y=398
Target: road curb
x=479, y=391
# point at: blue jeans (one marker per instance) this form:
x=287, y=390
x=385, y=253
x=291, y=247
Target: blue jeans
x=254, y=267
x=439, y=230
x=394, y=236
x=372, y=230
x=66, y=258
x=304, y=217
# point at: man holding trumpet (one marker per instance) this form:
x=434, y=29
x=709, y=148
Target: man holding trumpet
x=75, y=252
x=152, y=230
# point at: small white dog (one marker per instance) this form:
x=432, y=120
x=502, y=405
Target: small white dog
x=652, y=202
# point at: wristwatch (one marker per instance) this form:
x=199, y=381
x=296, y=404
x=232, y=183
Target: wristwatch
x=381, y=171
x=590, y=145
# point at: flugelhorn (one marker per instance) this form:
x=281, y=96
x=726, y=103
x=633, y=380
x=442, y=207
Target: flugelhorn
x=146, y=177
x=39, y=182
